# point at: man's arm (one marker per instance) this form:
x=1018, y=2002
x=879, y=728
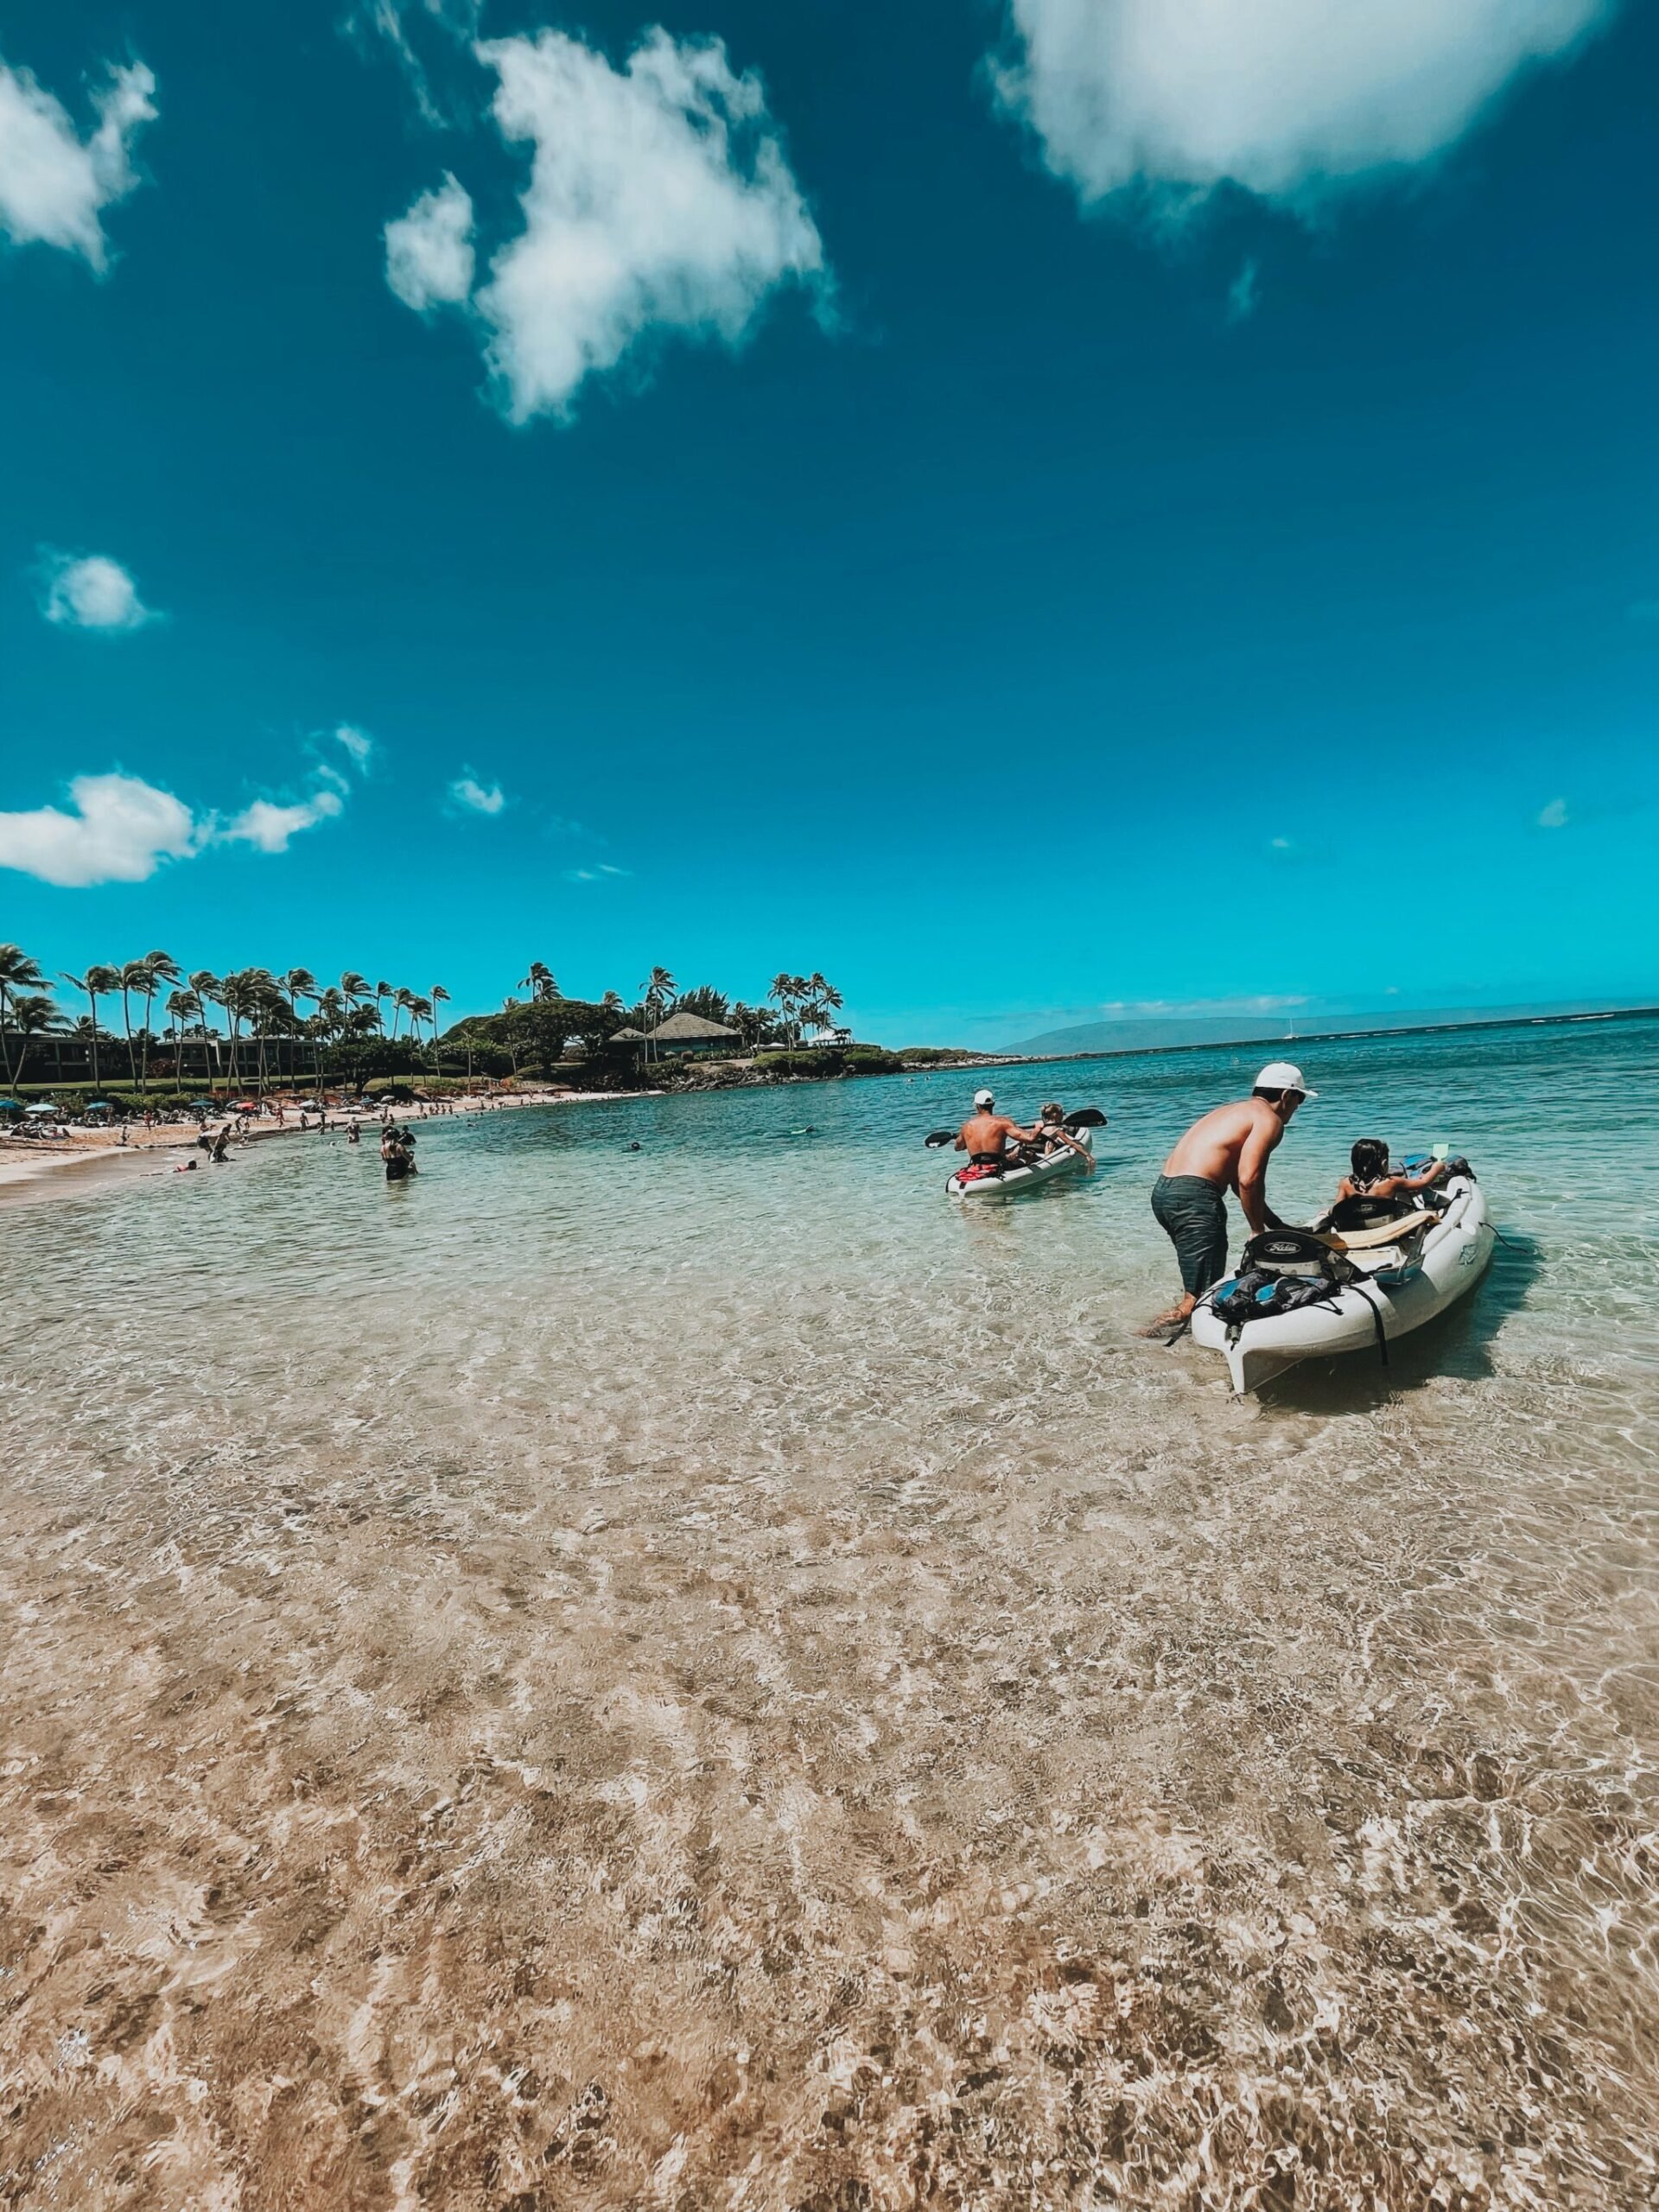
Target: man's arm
x=1252, y=1184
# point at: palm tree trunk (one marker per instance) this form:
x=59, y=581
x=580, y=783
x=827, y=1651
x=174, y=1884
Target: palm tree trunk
x=126, y=1023
x=149, y=1010
x=5, y=1049
x=92, y=996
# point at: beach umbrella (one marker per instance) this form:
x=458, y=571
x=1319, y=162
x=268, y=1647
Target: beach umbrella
x=11, y=1105
x=40, y=1110
x=101, y=1106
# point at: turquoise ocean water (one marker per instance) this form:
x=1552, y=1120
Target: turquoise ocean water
x=932, y=1668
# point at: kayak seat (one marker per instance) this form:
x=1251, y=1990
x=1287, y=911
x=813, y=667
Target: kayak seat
x=1365, y=1211
x=1380, y=1234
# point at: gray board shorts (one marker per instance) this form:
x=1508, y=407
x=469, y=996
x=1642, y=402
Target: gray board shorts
x=1192, y=1214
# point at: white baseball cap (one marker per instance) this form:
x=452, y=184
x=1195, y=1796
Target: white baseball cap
x=1281, y=1075
x=984, y=1098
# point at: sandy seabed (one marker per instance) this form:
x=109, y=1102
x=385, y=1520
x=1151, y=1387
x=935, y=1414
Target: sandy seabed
x=1059, y=1791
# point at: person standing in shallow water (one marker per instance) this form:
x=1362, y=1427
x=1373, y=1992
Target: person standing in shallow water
x=1227, y=1149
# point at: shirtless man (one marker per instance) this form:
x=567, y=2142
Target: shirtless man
x=984, y=1136
x=1226, y=1150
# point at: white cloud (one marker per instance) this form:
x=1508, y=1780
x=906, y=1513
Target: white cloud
x=1287, y=98
x=267, y=826
x=120, y=831
x=53, y=182
x=358, y=746
x=1554, y=816
x=121, y=828
x=92, y=592
x=658, y=200
x=477, y=798
x=599, y=875
x=430, y=251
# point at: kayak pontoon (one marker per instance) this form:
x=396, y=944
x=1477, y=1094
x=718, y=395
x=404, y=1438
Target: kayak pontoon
x=1382, y=1281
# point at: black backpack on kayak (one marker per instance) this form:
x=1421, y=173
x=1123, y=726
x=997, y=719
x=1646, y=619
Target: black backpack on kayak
x=1279, y=1272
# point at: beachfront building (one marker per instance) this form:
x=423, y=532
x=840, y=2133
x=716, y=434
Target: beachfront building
x=689, y=1032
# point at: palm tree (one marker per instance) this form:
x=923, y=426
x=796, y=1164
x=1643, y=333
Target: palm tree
x=784, y=992
x=380, y=993
x=420, y=1010
x=658, y=988
x=33, y=1014
x=300, y=983
x=822, y=1001
x=750, y=1022
x=402, y=1000
x=18, y=973
x=159, y=967
x=439, y=997
x=245, y=995
x=180, y=1006
x=539, y=982
x=329, y=1022
x=94, y=981
x=133, y=975
x=209, y=991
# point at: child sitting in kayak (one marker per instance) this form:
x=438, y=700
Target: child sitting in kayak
x=1051, y=1136
x=1369, y=1176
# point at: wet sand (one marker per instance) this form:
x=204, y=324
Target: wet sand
x=623, y=1828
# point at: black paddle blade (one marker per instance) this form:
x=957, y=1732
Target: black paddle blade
x=938, y=1137
x=1087, y=1117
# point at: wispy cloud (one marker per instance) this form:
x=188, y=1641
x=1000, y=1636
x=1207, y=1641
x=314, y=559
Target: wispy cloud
x=1295, y=101
x=1243, y=293
x=1554, y=816
x=270, y=825
x=88, y=591
x=356, y=744
x=1151, y=1009
x=659, y=201
x=54, y=183
x=389, y=21
x=474, y=796
x=599, y=875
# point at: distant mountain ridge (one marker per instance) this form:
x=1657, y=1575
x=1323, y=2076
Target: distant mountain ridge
x=1151, y=1034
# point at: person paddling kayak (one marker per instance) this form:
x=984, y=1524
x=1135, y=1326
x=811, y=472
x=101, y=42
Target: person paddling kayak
x=984, y=1137
x=1227, y=1149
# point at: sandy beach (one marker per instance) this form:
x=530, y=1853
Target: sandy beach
x=36, y=1165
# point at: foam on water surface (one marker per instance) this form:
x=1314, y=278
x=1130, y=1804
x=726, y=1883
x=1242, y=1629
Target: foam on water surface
x=710, y=1675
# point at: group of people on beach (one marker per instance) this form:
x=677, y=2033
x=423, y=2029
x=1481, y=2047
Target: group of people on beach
x=1226, y=1149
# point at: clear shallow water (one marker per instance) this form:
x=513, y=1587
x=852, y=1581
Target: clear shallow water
x=711, y=1674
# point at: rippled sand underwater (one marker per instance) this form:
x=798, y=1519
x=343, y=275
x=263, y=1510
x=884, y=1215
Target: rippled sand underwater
x=703, y=1677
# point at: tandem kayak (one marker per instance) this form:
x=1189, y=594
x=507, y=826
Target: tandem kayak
x=1375, y=1283
x=978, y=1183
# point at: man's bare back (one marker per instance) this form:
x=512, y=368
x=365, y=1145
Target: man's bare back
x=986, y=1135
x=1229, y=1146
x=1227, y=1149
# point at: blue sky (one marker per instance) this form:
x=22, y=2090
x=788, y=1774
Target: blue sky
x=1089, y=506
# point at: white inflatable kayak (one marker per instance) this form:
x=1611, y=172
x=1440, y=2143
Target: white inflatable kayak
x=1013, y=1180
x=1406, y=1273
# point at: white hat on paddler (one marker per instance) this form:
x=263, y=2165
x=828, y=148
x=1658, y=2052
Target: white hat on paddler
x=1283, y=1075
x=984, y=1098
